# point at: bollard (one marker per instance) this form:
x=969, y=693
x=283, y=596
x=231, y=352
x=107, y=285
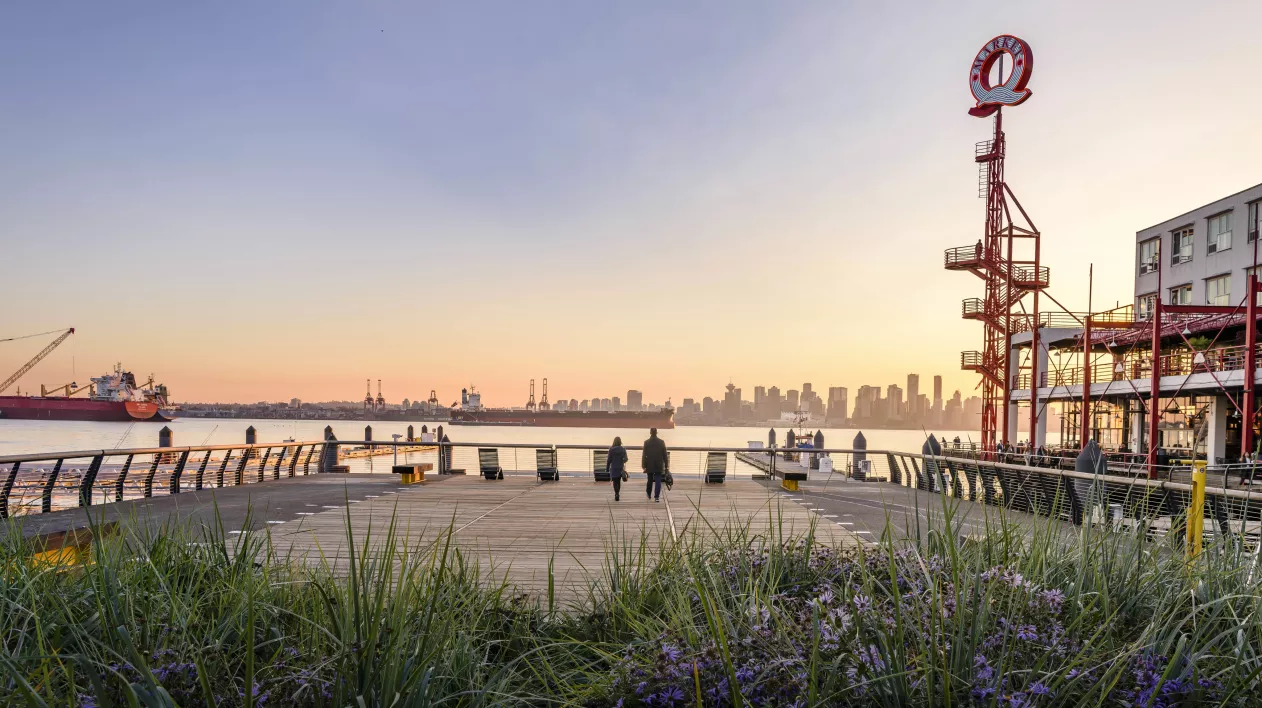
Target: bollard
x=1196, y=511
x=328, y=432
x=251, y=435
x=424, y=429
x=164, y=437
x=368, y=433
x=860, y=447
x=411, y=435
x=771, y=437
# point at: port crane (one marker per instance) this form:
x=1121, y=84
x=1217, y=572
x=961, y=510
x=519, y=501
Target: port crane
x=36, y=359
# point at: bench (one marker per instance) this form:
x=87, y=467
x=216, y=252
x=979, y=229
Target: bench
x=489, y=463
x=599, y=460
x=789, y=480
x=410, y=474
x=715, y=467
x=546, y=464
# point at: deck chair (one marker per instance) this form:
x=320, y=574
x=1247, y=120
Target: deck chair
x=599, y=459
x=489, y=463
x=715, y=467
x=546, y=463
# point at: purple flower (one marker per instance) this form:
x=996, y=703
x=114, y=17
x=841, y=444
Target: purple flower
x=1038, y=689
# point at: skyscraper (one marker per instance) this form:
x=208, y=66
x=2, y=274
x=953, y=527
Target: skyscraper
x=732, y=403
x=635, y=400
x=937, y=393
x=617, y=404
x=791, y=399
x=837, y=400
x=913, y=395
x=895, y=396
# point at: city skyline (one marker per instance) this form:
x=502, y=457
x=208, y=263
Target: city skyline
x=435, y=197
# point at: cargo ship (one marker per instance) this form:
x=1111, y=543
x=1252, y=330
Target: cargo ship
x=471, y=412
x=115, y=396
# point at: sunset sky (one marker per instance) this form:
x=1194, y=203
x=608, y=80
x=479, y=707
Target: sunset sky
x=256, y=201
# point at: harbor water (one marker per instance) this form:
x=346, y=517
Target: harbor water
x=32, y=436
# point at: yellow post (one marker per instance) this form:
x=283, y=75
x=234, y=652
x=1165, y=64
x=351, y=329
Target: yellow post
x=789, y=484
x=1196, y=511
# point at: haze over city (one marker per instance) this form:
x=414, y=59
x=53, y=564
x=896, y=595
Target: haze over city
x=286, y=199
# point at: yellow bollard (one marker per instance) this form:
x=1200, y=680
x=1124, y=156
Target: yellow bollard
x=790, y=485
x=1196, y=511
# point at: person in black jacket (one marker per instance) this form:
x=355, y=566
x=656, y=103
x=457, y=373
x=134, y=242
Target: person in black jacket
x=616, y=465
x=653, y=462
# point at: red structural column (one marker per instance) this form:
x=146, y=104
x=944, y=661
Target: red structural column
x=1154, y=398
x=1085, y=419
x=1034, y=354
x=1250, y=363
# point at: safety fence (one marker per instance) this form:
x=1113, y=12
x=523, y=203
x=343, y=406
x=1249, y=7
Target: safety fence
x=46, y=482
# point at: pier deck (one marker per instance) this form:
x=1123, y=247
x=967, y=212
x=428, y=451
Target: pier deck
x=516, y=528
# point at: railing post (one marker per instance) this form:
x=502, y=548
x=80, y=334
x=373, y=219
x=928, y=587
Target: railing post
x=89, y=479
x=178, y=472
x=293, y=461
x=201, y=471
x=1196, y=512
x=306, y=464
x=46, y=501
x=8, y=489
x=153, y=471
x=263, y=465
x=239, y=479
x=122, y=479
x=223, y=467
x=280, y=459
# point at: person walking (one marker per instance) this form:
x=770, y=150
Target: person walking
x=653, y=462
x=616, y=466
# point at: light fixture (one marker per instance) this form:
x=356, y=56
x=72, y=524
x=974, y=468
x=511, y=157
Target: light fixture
x=1114, y=342
x=1186, y=332
x=1199, y=358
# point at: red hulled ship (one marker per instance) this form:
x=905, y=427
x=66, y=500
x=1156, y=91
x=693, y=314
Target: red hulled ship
x=112, y=397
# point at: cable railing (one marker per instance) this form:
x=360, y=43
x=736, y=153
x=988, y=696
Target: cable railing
x=1043, y=483
x=1180, y=363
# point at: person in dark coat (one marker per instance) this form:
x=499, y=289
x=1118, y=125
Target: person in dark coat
x=615, y=466
x=653, y=462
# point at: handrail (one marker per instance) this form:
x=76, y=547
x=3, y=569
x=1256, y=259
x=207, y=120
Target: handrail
x=75, y=454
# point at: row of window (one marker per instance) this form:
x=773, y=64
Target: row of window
x=1183, y=240
x=1217, y=292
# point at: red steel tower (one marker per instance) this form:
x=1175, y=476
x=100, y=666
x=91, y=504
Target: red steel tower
x=1006, y=258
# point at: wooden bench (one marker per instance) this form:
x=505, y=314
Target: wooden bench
x=715, y=467
x=546, y=464
x=489, y=463
x=599, y=460
x=410, y=474
x=789, y=480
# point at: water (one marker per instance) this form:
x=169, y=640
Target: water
x=32, y=436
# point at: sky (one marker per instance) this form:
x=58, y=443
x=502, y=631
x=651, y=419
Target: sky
x=259, y=201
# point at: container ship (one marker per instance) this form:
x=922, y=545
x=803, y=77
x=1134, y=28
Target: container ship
x=471, y=412
x=113, y=397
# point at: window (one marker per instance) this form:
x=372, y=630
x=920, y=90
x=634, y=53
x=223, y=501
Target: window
x=1218, y=290
x=1144, y=305
x=1219, y=238
x=1181, y=295
x=1181, y=245
x=1149, y=252
x=1253, y=221
x=1256, y=274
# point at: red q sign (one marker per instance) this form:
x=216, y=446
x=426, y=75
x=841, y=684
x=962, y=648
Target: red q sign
x=1011, y=92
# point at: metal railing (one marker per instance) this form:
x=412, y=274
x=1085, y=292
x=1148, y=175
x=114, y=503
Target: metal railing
x=1179, y=363
x=1038, y=484
x=45, y=482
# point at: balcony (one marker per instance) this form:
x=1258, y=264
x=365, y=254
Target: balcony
x=965, y=258
x=973, y=361
x=1179, y=363
x=1028, y=278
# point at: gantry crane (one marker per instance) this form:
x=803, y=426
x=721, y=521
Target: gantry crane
x=35, y=360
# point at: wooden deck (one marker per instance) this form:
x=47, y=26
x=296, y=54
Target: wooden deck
x=517, y=527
